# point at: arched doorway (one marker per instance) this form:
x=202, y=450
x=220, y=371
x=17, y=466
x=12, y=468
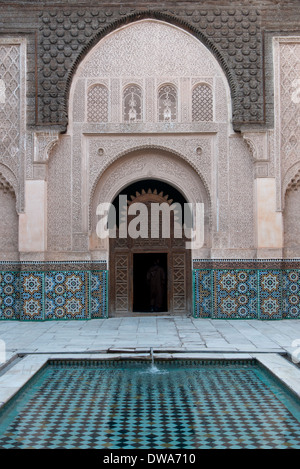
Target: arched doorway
x=291, y=219
x=132, y=258
x=9, y=239
x=149, y=175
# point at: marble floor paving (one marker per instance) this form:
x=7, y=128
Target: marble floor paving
x=178, y=333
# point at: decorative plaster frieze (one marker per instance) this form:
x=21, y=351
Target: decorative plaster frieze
x=235, y=48
x=286, y=50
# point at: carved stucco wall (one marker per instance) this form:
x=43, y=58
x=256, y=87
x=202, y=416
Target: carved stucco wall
x=59, y=198
x=150, y=164
x=151, y=55
x=13, y=113
x=241, y=200
x=287, y=106
x=287, y=137
x=55, y=40
x=291, y=223
x=9, y=221
x=233, y=34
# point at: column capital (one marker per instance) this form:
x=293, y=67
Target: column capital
x=44, y=141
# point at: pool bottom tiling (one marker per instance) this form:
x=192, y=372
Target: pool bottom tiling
x=135, y=405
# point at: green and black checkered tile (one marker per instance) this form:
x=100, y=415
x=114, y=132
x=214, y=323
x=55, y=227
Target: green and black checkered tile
x=132, y=406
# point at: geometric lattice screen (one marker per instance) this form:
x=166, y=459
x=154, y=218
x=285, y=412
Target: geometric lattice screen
x=202, y=104
x=97, y=104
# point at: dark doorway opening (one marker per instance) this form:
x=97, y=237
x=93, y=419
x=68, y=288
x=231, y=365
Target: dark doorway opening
x=141, y=286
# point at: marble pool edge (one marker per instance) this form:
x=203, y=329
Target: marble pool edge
x=21, y=369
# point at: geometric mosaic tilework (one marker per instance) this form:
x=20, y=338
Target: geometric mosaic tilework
x=126, y=406
x=32, y=295
x=246, y=293
x=202, y=291
x=98, y=287
x=9, y=295
x=67, y=295
x=291, y=294
x=270, y=284
x=235, y=294
x=39, y=295
x=217, y=293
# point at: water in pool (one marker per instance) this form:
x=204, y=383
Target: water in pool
x=131, y=405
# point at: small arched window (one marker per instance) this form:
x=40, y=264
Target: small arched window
x=167, y=104
x=97, y=104
x=132, y=104
x=202, y=103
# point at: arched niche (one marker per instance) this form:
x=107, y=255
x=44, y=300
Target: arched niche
x=149, y=53
x=291, y=215
x=9, y=226
x=145, y=164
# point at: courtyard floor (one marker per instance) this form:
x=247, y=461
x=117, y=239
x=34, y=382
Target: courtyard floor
x=161, y=332
x=26, y=346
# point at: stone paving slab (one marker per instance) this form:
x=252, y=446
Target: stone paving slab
x=18, y=375
x=173, y=337
x=285, y=371
x=179, y=333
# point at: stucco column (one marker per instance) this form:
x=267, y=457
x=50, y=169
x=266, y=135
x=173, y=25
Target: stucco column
x=269, y=223
x=32, y=223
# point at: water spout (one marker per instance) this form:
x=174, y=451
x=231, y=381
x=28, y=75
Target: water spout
x=153, y=367
x=152, y=356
